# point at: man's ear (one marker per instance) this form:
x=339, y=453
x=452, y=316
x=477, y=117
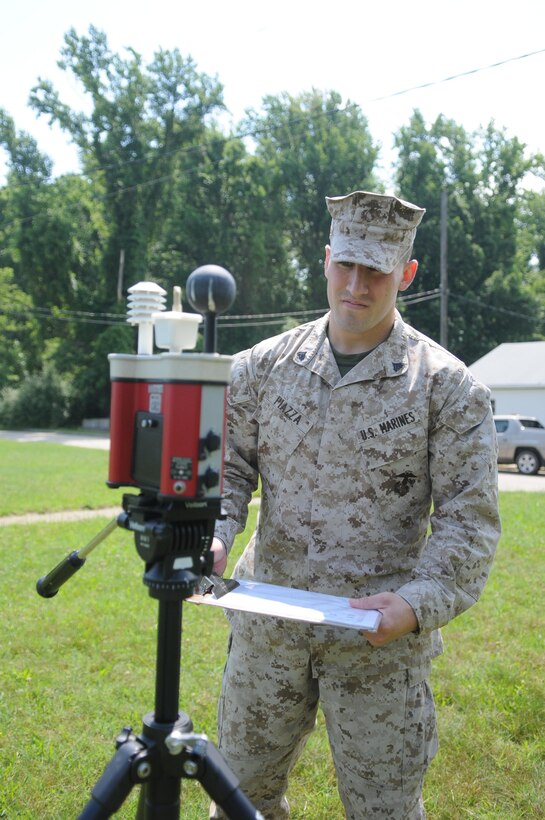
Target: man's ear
x=409, y=272
x=326, y=260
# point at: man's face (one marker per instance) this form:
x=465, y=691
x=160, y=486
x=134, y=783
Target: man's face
x=362, y=302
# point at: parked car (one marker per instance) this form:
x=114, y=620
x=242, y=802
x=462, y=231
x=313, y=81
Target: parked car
x=521, y=441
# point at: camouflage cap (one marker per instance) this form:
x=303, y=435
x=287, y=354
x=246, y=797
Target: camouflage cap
x=375, y=230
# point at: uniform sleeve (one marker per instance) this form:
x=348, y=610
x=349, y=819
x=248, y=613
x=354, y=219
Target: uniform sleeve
x=240, y=469
x=465, y=524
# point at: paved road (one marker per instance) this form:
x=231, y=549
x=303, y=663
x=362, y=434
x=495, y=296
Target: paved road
x=509, y=479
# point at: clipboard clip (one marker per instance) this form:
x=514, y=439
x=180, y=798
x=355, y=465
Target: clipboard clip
x=218, y=587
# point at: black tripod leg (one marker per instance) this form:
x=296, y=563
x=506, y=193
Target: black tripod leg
x=159, y=800
x=123, y=771
x=224, y=788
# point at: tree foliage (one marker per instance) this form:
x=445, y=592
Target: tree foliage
x=19, y=332
x=314, y=147
x=141, y=118
x=481, y=174
x=164, y=189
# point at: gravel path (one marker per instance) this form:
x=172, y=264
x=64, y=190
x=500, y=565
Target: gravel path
x=62, y=515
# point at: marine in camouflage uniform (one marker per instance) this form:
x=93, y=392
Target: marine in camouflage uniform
x=351, y=466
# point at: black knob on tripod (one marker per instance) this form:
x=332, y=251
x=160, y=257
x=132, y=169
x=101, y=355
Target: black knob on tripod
x=211, y=290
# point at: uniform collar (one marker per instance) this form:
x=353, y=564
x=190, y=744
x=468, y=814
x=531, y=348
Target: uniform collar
x=315, y=353
x=387, y=360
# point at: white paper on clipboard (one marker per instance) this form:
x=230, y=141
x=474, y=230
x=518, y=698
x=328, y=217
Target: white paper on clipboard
x=293, y=604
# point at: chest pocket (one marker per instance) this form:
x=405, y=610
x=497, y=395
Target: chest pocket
x=395, y=460
x=281, y=426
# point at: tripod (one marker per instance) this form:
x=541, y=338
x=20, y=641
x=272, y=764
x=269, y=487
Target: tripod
x=167, y=429
x=170, y=538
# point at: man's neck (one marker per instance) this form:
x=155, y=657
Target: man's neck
x=353, y=344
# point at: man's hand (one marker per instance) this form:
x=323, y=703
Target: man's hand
x=398, y=617
x=220, y=556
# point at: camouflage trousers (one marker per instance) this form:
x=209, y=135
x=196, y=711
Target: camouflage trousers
x=382, y=730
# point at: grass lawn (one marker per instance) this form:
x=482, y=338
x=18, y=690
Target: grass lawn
x=43, y=477
x=77, y=668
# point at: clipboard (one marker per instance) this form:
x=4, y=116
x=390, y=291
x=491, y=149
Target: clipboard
x=287, y=602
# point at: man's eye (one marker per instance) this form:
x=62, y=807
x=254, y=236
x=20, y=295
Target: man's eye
x=346, y=264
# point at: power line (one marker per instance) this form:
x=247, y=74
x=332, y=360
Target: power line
x=52, y=316
x=495, y=309
x=94, y=317
x=412, y=299
x=240, y=320
x=428, y=298
x=458, y=76
x=272, y=315
x=278, y=321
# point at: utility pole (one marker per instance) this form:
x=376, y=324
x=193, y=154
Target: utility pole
x=120, y=273
x=443, y=326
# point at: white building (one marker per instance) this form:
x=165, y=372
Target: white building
x=515, y=373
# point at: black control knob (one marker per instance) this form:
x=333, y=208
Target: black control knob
x=212, y=441
x=210, y=479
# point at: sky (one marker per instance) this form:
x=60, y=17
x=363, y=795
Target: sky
x=367, y=52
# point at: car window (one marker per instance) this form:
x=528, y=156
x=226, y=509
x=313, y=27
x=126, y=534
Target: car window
x=501, y=425
x=533, y=423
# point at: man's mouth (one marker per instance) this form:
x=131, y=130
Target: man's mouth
x=354, y=303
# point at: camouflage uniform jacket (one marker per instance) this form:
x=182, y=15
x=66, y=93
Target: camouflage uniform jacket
x=351, y=468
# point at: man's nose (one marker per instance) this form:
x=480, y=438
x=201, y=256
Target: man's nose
x=359, y=279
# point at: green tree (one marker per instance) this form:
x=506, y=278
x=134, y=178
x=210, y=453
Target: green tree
x=23, y=202
x=314, y=147
x=531, y=229
x=54, y=234
x=141, y=117
x=54, y=231
x=224, y=211
x=481, y=174
x=531, y=244
x=19, y=333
